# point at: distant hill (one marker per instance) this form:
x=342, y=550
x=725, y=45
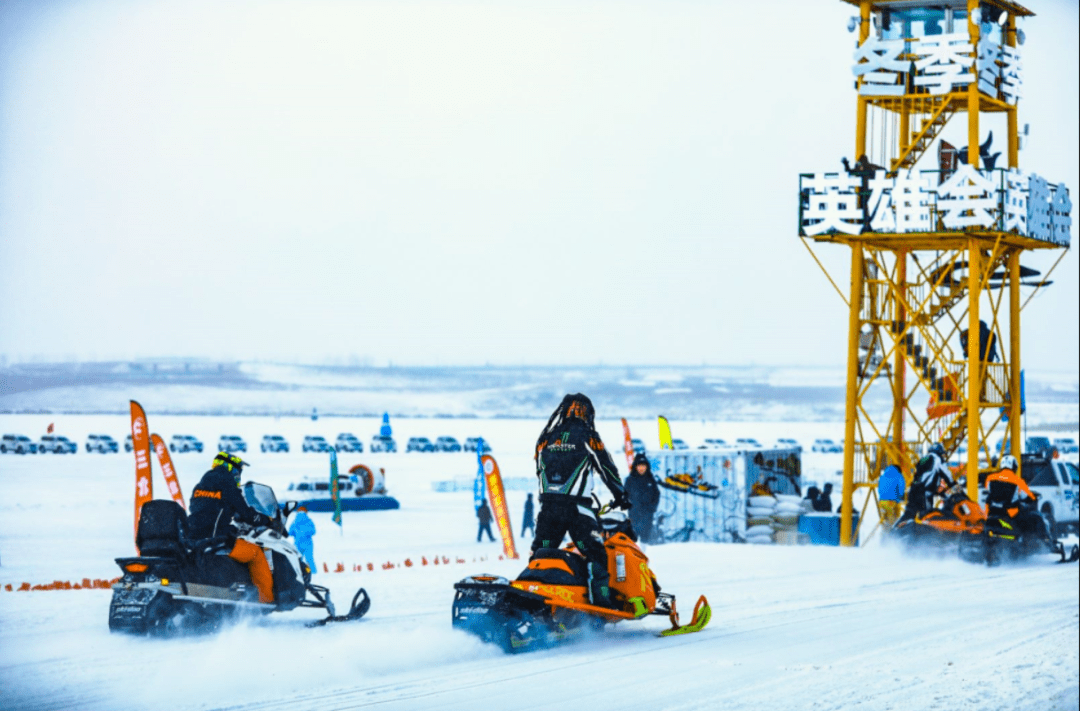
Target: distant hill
x=179, y=386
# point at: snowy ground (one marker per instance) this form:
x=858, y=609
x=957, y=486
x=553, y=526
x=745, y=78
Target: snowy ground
x=792, y=629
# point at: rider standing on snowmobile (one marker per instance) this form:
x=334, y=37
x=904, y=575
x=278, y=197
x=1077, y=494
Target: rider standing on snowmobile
x=568, y=453
x=931, y=478
x=215, y=502
x=1021, y=505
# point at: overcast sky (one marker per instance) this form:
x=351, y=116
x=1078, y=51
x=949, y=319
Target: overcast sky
x=450, y=182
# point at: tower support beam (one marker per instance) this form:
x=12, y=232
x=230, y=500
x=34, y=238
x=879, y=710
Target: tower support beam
x=975, y=373
x=850, y=412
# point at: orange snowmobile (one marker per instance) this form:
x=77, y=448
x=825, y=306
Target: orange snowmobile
x=548, y=602
x=690, y=484
x=938, y=527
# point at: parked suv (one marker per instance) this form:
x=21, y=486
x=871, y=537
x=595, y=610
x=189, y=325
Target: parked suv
x=231, y=443
x=57, y=444
x=1038, y=445
x=129, y=443
x=447, y=444
x=472, y=442
x=419, y=444
x=1066, y=445
x=680, y=444
x=101, y=443
x=1055, y=483
x=383, y=443
x=185, y=443
x=788, y=443
x=347, y=442
x=637, y=445
x=17, y=444
x=826, y=445
x=748, y=442
x=315, y=443
x=274, y=443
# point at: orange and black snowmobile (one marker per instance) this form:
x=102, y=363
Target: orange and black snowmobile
x=947, y=526
x=690, y=484
x=548, y=602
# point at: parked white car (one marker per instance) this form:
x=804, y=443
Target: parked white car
x=185, y=443
x=1055, y=483
x=17, y=444
x=1066, y=445
x=826, y=445
x=57, y=444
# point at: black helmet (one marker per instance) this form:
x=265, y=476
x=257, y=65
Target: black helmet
x=579, y=406
x=938, y=449
x=231, y=462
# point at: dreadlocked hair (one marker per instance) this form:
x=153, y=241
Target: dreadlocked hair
x=572, y=405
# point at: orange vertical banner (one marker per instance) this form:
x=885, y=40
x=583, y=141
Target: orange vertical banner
x=140, y=441
x=628, y=445
x=167, y=468
x=498, y=504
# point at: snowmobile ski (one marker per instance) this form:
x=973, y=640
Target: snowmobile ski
x=702, y=615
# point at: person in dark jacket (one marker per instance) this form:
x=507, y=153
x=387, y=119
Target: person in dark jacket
x=643, y=494
x=484, y=514
x=568, y=454
x=528, y=519
x=824, y=500
x=216, y=502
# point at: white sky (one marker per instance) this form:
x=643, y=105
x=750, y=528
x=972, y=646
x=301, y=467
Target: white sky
x=449, y=182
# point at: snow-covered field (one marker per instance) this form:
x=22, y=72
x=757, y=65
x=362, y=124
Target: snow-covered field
x=793, y=628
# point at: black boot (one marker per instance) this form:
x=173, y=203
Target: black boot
x=599, y=592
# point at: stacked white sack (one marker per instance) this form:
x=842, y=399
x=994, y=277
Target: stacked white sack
x=785, y=519
x=759, y=522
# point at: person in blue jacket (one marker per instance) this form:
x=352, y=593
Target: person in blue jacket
x=891, y=488
x=301, y=530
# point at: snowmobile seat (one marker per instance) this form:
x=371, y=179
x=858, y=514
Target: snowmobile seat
x=161, y=529
x=555, y=566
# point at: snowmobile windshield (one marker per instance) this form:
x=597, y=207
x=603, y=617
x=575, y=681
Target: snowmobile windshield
x=261, y=498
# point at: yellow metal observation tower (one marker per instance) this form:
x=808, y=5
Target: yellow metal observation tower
x=936, y=238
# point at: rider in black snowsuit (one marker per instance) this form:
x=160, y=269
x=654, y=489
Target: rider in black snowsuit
x=568, y=453
x=644, y=495
x=215, y=502
x=931, y=479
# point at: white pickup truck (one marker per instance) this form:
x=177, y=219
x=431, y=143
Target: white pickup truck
x=1056, y=483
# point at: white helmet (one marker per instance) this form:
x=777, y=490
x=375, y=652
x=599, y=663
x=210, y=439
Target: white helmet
x=1008, y=462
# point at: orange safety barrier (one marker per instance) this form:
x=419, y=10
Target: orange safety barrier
x=84, y=584
x=339, y=567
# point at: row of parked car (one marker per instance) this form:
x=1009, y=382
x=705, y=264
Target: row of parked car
x=742, y=443
x=345, y=442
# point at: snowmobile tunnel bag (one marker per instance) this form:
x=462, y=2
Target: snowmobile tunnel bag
x=1000, y=494
x=161, y=528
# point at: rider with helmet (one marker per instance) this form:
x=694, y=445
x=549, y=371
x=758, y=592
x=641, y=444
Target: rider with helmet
x=215, y=502
x=931, y=479
x=1009, y=493
x=568, y=453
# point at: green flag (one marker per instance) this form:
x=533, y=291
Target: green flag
x=335, y=494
